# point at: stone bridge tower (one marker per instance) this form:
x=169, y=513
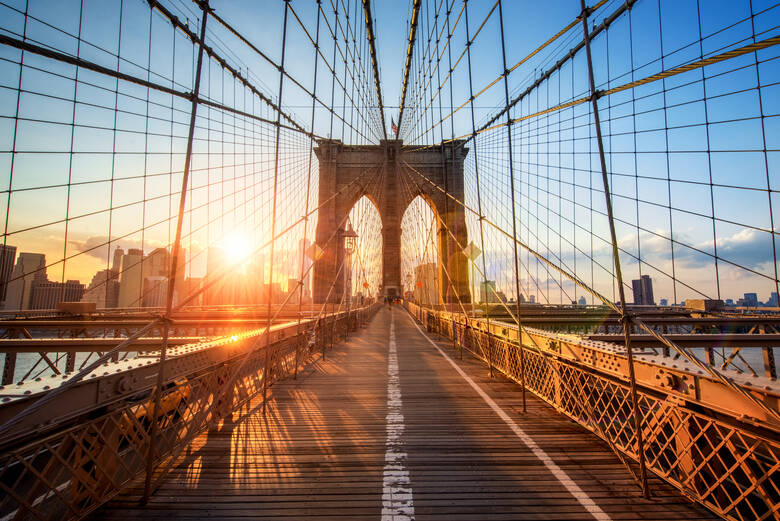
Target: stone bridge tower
x=380, y=173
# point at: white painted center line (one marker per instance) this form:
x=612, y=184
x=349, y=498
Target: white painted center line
x=397, y=502
x=556, y=471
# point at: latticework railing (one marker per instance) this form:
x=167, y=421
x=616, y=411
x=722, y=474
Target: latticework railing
x=68, y=469
x=729, y=464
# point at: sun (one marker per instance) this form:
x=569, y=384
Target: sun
x=237, y=248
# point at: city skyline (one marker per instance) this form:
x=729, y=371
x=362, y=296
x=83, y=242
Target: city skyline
x=138, y=279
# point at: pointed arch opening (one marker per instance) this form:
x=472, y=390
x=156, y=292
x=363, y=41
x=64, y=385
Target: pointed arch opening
x=420, y=271
x=365, y=273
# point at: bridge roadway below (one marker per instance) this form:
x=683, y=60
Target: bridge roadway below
x=341, y=443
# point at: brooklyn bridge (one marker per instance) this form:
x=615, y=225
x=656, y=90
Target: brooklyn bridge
x=434, y=259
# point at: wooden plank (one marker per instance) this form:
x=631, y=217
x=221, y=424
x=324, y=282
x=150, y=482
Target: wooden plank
x=319, y=452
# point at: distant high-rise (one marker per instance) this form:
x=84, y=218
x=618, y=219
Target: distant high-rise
x=253, y=280
x=131, y=279
x=104, y=289
x=116, y=263
x=156, y=292
x=582, y=301
x=47, y=294
x=158, y=264
x=664, y=302
x=216, y=262
x=191, y=285
x=7, y=258
x=30, y=270
x=750, y=300
x=303, y=246
x=488, y=292
x=773, y=301
x=643, y=291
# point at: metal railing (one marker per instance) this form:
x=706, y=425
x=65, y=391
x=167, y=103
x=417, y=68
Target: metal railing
x=698, y=437
x=59, y=466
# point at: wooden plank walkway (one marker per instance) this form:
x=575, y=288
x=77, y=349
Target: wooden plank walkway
x=341, y=443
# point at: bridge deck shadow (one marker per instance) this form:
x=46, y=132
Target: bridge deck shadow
x=319, y=451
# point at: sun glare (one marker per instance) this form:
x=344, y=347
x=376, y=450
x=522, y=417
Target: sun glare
x=237, y=248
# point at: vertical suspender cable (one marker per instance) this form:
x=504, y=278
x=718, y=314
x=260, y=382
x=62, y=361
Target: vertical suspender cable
x=479, y=192
x=625, y=318
x=308, y=189
x=269, y=293
x=514, y=211
x=204, y=5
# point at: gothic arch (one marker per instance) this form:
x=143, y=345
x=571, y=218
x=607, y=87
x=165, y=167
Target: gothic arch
x=390, y=176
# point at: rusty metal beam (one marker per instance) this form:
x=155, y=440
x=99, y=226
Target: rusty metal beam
x=88, y=345
x=372, y=48
x=698, y=340
x=121, y=380
x=408, y=64
x=654, y=372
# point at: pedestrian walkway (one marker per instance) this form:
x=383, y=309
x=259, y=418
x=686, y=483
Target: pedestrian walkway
x=391, y=426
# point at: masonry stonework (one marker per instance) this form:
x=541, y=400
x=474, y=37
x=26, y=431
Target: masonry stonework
x=391, y=175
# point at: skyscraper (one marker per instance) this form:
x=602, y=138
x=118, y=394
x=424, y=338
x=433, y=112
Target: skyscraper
x=751, y=300
x=192, y=285
x=104, y=289
x=116, y=263
x=215, y=264
x=643, y=291
x=46, y=294
x=488, y=292
x=7, y=258
x=30, y=270
x=156, y=292
x=303, y=246
x=131, y=279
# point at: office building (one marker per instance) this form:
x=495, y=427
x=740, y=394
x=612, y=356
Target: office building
x=303, y=246
x=103, y=290
x=29, y=271
x=131, y=279
x=277, y=297
x=116, y=263
x=7, y=258
x=156, y=292
x=46, y=294
x=191, y=286
x=489, y=294
x=643, y=291
x=749, y=300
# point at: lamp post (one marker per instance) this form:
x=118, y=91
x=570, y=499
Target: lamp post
x=472, y=252
x=350, y=244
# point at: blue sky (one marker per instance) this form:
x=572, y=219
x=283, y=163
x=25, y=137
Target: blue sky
x=558, y=183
